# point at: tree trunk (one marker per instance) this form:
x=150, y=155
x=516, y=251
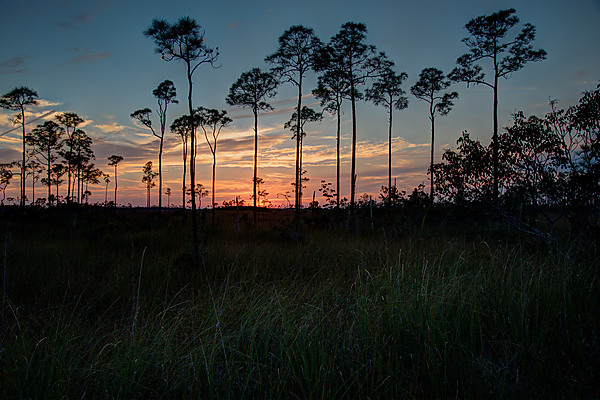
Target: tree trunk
x=390, y=157
x=337, y=192
x=255, y=163
x=495, y=134
x=116, y=184
x=213, y=186
x=432, y=118
x=160, y=171
x=353, y=168
x=298, y=172
x=192, y=166
x=23, y=160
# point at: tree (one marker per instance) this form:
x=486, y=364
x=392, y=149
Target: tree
x=212, y=121
x=168, y=194
x=251, y=90
x=78, y=155
x=200, y=193
x=184, y=42
x=89, y=175
x=357, y=62
x=165, y=94
x=332, y=89
x=387, y=91
x=115, y=160
x=182, y=127
x=71, y=121
x=17, y=100
x=487, y=41
x=293, y=59
x=148, y=179
x=106, y=182
x=307, y=115
x=5, y=177
x=431, y=82
x=44, y=141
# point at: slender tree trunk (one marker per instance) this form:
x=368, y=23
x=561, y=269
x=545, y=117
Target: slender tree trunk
x=255, y=164
x=337, y=192
x=23, y=160
x=495, y=134
x=116, y=184
x=353, y=168
x=432, y=119
x=298, y=172
x=48, y=176
x=105, y=195
x=192, y=165
x=213, y=186
x=160, y=170
x=390, y=156
x=184, y=174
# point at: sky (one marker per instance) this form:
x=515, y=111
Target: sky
x=91, y=57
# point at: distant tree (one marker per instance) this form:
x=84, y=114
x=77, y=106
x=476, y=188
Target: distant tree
x=182, y=127
x=487, y=42
x=148, y=179
x=387, y=91
x=114, y=160
x=252, y=89
x=106, y=178
x=90, y=175
x=168, y=194
x=6, y=175
x=294, y=58
x=71, y=121
x=184, y=42
x=357, y=62
x=44, y=142
x=212, y=121
x=58, y=170
x=34, y=169
x=165, y=94
x=307, y=115
x=431, y=82
x=332, y=89
x=17, y=100
x=200, y=192
x=78, y=154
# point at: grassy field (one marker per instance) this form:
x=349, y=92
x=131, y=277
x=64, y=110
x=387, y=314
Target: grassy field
x=110, y=304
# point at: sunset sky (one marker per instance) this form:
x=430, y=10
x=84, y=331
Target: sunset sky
x=90, y=57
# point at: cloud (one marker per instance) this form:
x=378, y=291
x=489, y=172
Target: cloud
x=14, y=65
x=86, y=16
x=87, y=58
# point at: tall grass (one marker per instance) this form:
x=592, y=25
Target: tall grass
x=114, y=308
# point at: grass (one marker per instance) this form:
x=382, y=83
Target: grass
x=113, y=307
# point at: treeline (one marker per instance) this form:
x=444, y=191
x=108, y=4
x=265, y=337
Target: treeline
x=536, y=161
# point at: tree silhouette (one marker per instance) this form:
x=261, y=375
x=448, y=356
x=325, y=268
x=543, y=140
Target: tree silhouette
x=5, y=177
x=165, y=94
x=78, y=155
x=17, y=100
x=44, y=141
x=148, y=179
x=387, y=91
x=115, y=160
x=168, y=194
x=212, y=121
x=294, y=58
x=251, y=90
x=357, y=61
x=71, y=121
x=487, y=41
x=431, y=82
x=332, y=89
x=182, y=127
x=184, y=42
x=307, y=115
x=89, y=175
x=106, y=182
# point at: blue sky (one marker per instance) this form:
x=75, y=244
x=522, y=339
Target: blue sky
x=91, y=57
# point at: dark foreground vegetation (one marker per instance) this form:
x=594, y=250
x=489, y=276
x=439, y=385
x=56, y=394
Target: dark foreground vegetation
x=103, y=303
